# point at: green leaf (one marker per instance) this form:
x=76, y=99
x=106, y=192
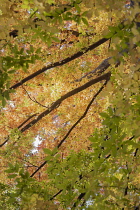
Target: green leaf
x=3, y=102
x=11, y=71
x=31, y=49
x=77, y=8
x=49, y=42
x=54, y=151
x=21, y=171
x=85, y=21
x=6, y=95
x=12, y=175
x=110, y=111
x=12, y=91
x=84, y=13
x=9, y=171
x=27, y=175
x=55, y=39
x=48, y=158
x=47, y=151
x=38, y=50
x=21, y=51
x=104, y=115
x=109, y=35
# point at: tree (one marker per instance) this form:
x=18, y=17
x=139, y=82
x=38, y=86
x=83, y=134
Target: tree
x=70, y=78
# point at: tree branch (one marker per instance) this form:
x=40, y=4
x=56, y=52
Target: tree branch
x=34, y=100
x=62, y=141
x=26, y=120
x=78, y=199
x=58, y=102
x=67, y=95
x=56, y=195
x=60, y=63
x=99, y=69
x=88, y=107
x=81, y=177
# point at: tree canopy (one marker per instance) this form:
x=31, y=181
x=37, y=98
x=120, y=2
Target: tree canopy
x=70, y=104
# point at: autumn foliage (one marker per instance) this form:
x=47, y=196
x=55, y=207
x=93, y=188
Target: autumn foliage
x=70, y=104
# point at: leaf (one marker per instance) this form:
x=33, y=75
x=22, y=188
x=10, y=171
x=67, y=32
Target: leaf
x=55, y=39
x=12, y=91
x=21, y=172
x=77, y=8
x=85, y=21
x=11, y=71
x=54, y=151
x=38, y=50
x=31, y=49
x=47, y=151
x=21, y=51
x=12, y=175
x=6, y=95
x=3, y=102
x=104, y=115
x=49, y=41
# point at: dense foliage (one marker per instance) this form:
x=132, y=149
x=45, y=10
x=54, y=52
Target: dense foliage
x=69, y=82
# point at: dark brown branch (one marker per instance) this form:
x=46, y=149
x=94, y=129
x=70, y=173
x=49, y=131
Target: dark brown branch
x=7, y=139
x=78, y=199
x=60, y=63
x=34, y=100
x=56, y=195
x=94, y=97
x=67, y=95
x=61, y=142
x=26, y=120
x=59, y=101
x=83, y=194
x=104, y=65
x=99, y=69
x=41, y=166
x=136, y=151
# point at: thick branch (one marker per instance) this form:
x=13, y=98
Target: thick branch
x=67, y=95
x=99, y=69
x=60, y=63
x=62, y=141
x=58, y=102
x=26, y=120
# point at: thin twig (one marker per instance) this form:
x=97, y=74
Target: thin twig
x=65, y=96
x=88, y=107
x=62, y=141
x=34, y=100
x=57, y=103
x=81, y=177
